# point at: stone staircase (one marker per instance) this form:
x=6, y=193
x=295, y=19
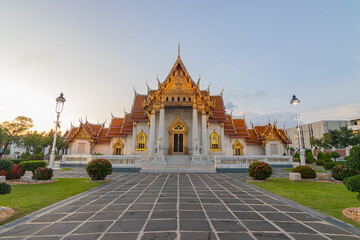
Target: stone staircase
x=177, y=163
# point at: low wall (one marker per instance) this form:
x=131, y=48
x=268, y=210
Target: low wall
x=227, y=164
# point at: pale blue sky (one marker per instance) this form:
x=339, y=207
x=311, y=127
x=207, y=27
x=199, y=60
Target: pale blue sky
x=260, y=52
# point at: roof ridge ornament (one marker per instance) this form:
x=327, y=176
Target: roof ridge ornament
x=179, y=51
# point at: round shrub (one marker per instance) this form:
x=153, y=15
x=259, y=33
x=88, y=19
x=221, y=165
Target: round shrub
x=353, y=160
x=5, y=188
x=305, y=172
x=334, y=155
x=296, y=157
x=6, y=164
x=309, y=157
x=43, y=173
x=327, y=157
x=98, y=169
x=260, y=170
x=320, y=162
x=353, y=184
x=320, y=156
x=32, y=165
x=16, y=161
x=340, y=172
x=14, y=173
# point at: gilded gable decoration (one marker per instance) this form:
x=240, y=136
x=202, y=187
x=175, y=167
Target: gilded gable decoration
x=215, y=142
x=141, y=141
x=118, y=147
x=238, y=148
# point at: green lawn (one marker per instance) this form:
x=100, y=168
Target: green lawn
x=28, y=198
x=328, y=198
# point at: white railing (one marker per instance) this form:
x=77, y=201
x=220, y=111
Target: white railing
x=122, y=161
x=245, y=161
x=117, y=161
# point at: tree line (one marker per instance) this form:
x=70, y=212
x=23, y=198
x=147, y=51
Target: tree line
x=17, y=132
x=338, y=138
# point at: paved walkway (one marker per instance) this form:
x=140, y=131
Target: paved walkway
x=176, y=206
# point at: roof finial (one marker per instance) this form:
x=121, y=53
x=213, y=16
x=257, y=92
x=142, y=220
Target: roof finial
x=179, y=50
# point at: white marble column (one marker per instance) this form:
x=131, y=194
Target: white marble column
x=152, y=133
x=204, y=134
x=134, y=137
x=161, y=130
x=195, y=137
x=222, y=137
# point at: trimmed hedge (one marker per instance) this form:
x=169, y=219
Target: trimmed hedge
x=43, y=173
x=32, y=165
x=327, y=157
x=334, y=155
x=309, y=157
x=260, y=170
x=6, y=165
x=340, y=172
x=305, y=172
x=296, y=157
x=320, y=162
x=35, y=157
x=16, y=161
x=320, y=156
x=5, y=188
x=330, y=165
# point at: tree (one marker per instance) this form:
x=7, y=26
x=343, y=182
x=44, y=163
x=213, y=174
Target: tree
x=334, y=155
x=309, y=157
x=33, y=141
x=11, y=131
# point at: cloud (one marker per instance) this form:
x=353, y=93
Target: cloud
x=230, y=106
x=281, y=119
x=256, y=94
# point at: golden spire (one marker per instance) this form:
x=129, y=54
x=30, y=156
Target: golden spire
x=179, y=50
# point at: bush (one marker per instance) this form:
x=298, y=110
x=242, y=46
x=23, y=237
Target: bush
x=43, y=173
x=260, y=170
x=16, y=161
x=354, y=158
x=284, y=154
x=32, y=165
x=340, y=172
x=327, y=157
x=5, y=188
x=42, y=155
x=296, y=157
x=353, y=184
x=98, y=169
x=6, y=164
x=330, y=165
x=25, y=155
x=334, y=155
x=309, y=157
x=320, y=156
x=305, y=172
x=35, y=157
x=320, y=162
x=14, y=173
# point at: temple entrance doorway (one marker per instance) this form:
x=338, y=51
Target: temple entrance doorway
x=178, y=143
x=178, y=132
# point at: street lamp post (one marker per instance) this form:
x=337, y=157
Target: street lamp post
x=59, y=107
x=294, y=101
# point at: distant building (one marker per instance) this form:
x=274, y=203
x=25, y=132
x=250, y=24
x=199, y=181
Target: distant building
x=316, y=129
x=354, y=124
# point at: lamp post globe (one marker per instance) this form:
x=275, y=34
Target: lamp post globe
x=59, y=108
x=295, y=101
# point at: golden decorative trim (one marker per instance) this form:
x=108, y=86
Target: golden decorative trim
x=215, y=142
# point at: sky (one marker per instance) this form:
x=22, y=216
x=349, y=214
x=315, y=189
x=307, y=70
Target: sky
x=259, y=52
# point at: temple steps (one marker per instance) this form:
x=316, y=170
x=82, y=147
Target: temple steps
x=177, y=163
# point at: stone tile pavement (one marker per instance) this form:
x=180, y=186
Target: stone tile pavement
x=176, y=206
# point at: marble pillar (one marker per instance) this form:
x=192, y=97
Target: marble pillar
x=152, y=133
x=204, y=134
x=161, y=131
x=195, y=137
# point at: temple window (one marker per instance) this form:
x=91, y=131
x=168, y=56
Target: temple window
x=118, y=147
x=178, y=99
x=184, y=99
x=167, y=99
x=189, y=99
x=141, y=142
x=172, y=99
x=215, y=142
x=238, y=148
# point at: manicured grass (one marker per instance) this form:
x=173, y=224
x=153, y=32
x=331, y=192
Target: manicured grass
x=64, y=169
x=25, y=199
x=328, y=198
x=316, y=170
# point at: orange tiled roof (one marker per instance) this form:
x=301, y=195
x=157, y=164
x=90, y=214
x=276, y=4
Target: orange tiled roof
x=240, y=128
x=138, y=113
x=218, y=114
x=103, y=138
x=127, y=126
x=115, y=127
x=229, y=128
x=252, y=138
